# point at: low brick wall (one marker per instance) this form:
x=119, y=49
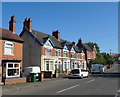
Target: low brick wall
x=47, y=74
x=14, y=81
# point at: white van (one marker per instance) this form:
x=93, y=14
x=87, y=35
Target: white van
x=79, y=73
x=97, y=68
x=31, y=69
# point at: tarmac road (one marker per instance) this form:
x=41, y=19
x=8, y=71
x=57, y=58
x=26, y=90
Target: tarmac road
x=96, y=84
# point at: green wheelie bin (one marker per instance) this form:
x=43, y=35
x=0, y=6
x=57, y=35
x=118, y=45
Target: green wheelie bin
x=33, y=77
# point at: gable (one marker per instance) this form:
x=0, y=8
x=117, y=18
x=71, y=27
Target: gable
x=65, y=47
x=72, y=49
x=48, y=43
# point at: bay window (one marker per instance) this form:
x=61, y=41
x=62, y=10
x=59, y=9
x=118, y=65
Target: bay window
x=12, y=70
x=49, y=65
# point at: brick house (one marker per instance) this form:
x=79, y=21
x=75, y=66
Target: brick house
x=11, y=54
x=90, y=51
x=50, y=52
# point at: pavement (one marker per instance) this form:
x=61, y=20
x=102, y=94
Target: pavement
x=7, y=88
x=101, y=83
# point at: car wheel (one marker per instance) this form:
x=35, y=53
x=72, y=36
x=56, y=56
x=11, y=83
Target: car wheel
x=81, y=76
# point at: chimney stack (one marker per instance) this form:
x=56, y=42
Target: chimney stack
x=80, y=41
x=56, y=34
x=28, y=24
x=12, y=24
x=74, y=43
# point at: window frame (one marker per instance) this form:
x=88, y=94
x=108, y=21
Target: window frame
x=12, y=48
x=48, y=66
x=58, y=52
x=48, y=53
x=8, y=68
x=65, y=52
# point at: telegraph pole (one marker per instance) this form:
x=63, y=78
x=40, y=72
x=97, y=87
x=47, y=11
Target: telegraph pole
x=110, y=51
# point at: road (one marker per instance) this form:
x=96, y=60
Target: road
x=96, y=84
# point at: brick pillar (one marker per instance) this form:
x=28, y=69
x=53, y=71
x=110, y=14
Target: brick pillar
x=42, y=76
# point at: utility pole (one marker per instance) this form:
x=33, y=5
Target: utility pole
x=110, y=51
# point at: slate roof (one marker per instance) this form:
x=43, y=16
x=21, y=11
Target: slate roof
x=43, y=37
x=84, y=47
x=70, y=45
x=8, y=35
x=91, y=46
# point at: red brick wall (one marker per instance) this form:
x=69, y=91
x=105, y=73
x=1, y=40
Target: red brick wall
x=62, y=53
x=18, y=51
x=93, y=54
x=74, y=55
x=53, y=52
x=14, y=81
x=68, y=55
x=43, y=50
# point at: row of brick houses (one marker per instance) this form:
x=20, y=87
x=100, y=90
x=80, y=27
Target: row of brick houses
x=34, y=48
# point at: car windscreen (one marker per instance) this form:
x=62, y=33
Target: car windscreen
x=75, y=71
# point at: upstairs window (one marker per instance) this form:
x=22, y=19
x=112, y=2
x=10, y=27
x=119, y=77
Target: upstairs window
x=48, y=52
x=72, y=55
x=8, y=48
x=65, y=53
x=77, y=55
x=58, y=53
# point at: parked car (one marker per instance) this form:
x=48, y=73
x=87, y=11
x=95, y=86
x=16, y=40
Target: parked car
x=79, y=73
x=97, y=68
x=31, y=69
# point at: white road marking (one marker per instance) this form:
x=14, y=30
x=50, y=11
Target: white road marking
x=67, y=89
x=90, y=81
x=100, y=77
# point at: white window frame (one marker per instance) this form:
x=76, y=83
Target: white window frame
x=49, y=64
x=12, y=48
x=12, y=68
x=47, y=52
x=57, y=52
x=66, y=53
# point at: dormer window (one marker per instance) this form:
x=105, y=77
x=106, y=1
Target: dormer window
x=8, y=48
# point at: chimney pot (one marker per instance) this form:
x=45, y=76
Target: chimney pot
x=28, y=24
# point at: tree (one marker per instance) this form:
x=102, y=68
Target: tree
x=98, y=60
x=108, y=58
x=103, y=58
